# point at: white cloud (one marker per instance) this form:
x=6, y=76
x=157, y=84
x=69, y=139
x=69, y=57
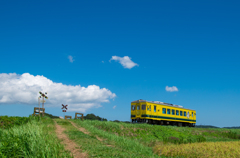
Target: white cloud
x=23, y=89
x=114, y=106
x=125, y=61
x=70, y=58
x=171, y=89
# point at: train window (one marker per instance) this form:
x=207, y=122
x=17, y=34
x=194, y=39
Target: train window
x=177, y=112
x=173, y=112
x=168, y=111
x=155, y=108
x=133, y=107
x=164, y=110
x=138, y=107
x=192, y=114
x=149, y=108
x=185, y=114
x=180, y=113
x=143, y=107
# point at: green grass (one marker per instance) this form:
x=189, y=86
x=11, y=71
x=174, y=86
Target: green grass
x=148, y=134
x=35, y=139
x=151, y=134
x=8, y=122
x=120, y=146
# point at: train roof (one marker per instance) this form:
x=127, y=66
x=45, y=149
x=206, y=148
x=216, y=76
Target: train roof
x=161, y=103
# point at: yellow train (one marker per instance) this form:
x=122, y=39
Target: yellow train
x=155, y=112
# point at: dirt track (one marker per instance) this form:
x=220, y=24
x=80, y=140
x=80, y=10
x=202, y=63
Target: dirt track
x=86, y=132
x=69, y=144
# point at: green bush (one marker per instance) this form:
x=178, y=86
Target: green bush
x=8, y=122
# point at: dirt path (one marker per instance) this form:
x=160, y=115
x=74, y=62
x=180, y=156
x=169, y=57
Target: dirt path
x=86, y=132
x=69, y=144
x=80, y=128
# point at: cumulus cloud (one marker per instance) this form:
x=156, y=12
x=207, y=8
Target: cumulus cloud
x=171, y=89
x=125, y=61
x=70, y=58
x=114, y=106
x=23, y=89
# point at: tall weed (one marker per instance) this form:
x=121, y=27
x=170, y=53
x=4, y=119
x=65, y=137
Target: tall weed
x=30, y=140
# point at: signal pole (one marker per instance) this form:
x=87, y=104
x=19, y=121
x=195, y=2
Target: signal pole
x=39, y=105
x=43, y=96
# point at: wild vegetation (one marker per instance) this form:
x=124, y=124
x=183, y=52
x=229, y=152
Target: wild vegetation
x=8, y=122
x=164, y=139
x=93, y=117
x=203, y=150
x=36, y=137
x=110, y=145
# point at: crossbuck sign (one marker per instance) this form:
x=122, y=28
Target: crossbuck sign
x=64, y=107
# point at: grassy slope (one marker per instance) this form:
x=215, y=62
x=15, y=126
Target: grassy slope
x=36, y=138
x=148, y=134
x=162, y=138
x=111, y=146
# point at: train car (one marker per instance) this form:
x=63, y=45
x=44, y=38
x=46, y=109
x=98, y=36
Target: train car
x=156, y=112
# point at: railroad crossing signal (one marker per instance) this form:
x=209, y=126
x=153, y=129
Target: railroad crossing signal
x=64, y=107
x=43, y=95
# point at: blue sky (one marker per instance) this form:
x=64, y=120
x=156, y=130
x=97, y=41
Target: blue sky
x=66, y=48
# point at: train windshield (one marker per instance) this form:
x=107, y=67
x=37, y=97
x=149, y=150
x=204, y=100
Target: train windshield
x=138, y=107
x=133, y=107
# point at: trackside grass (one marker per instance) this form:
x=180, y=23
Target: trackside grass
x=168, y=141
x=200, y=150
x=35, y=139
x=150, y=134
x=147, y=134
x=111, y=144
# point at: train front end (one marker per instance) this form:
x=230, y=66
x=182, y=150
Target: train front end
x=138, y=111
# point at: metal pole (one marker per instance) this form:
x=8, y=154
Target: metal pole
x=39, y=106
x=43, y=106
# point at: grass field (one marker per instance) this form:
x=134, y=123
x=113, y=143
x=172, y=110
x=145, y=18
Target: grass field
x=34, y=137
x=201, y=150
